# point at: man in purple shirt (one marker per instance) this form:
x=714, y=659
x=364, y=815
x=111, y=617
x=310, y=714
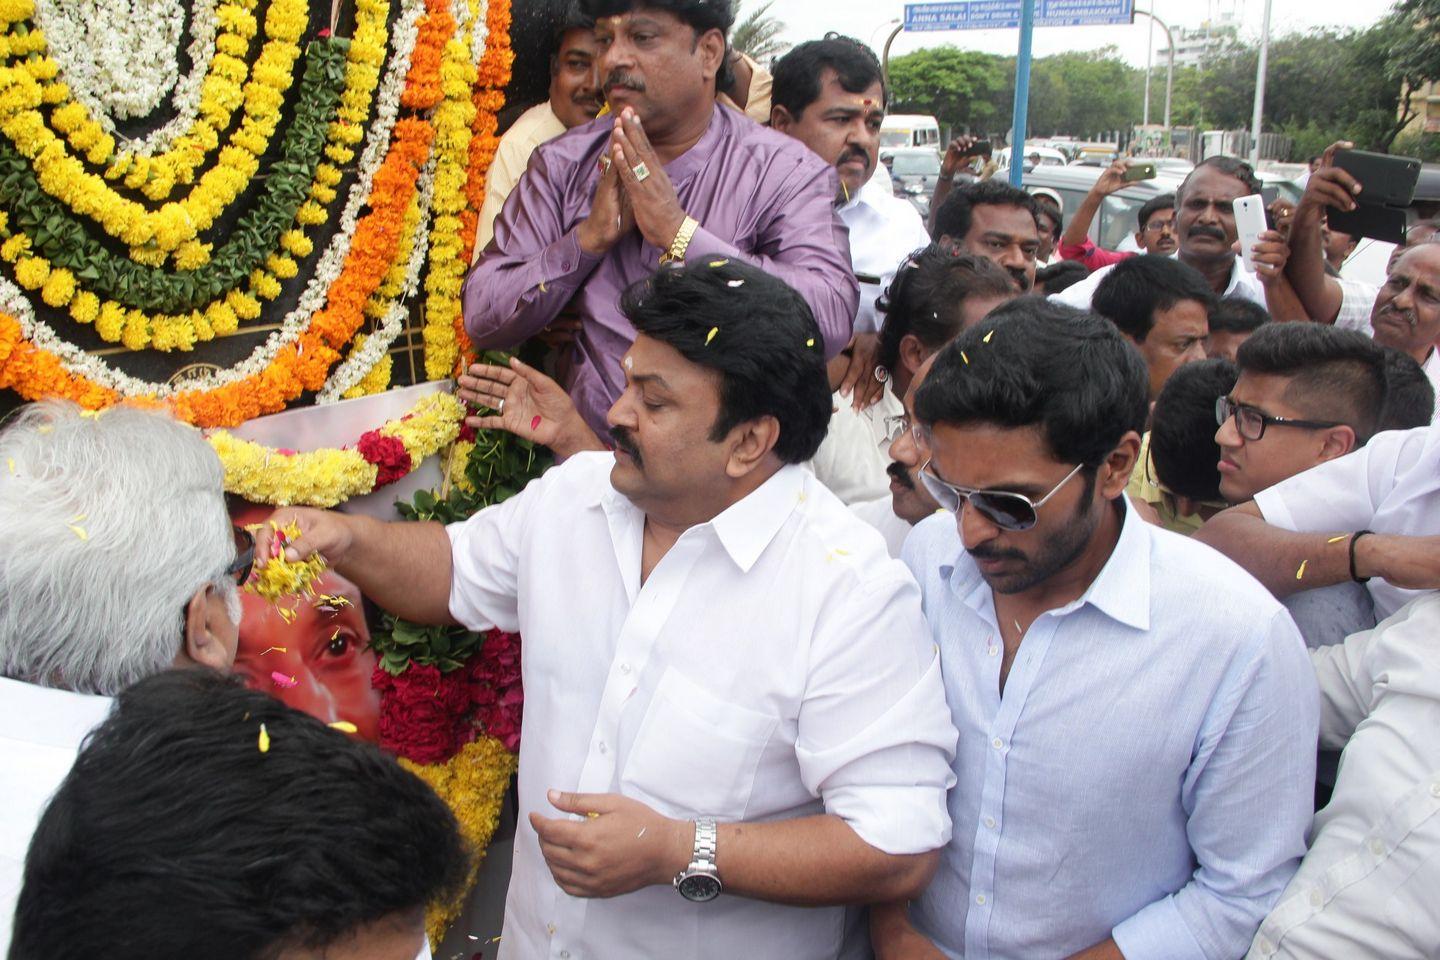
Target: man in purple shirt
x=668, y=174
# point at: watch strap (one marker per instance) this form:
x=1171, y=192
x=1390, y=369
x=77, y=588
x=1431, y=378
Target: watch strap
x=681, y=243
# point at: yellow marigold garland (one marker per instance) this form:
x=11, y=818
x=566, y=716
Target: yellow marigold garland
x=376, y=379
x=324, y=478
x=473, y=784
x=64, y=176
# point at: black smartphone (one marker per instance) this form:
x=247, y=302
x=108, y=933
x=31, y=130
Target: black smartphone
x=1366, y=220
x=1388, y=181
x=981, y=148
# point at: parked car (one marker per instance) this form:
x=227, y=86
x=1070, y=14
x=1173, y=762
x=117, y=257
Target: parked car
x=1049, y=156
x=914, y=171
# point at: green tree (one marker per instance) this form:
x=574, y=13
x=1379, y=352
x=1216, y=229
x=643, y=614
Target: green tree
x=1082, y=94
x=958, y=87
x=758, y=35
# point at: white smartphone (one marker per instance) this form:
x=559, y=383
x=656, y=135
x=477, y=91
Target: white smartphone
x=1249, y=224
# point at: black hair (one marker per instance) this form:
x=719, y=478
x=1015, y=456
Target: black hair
x=927, y=298
x=1137, y=288
x=1237, y=315
x=1044, y=205
x=1182, y=429
x=1409, y=394
x=1035, y=363
x=1231, y=167
x=1336, y=375
x=568, y=18
x=702, y=16
x=796, y=76
x=180, y=832
x=1166, y=201
x=756, y=332
x=1060, y=276
x=954, y=217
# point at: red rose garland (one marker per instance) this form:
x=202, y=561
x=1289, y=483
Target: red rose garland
x=388, y=454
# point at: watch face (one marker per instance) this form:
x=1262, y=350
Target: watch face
x=699, y=887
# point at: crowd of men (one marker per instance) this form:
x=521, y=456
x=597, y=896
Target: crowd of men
x=879, y=605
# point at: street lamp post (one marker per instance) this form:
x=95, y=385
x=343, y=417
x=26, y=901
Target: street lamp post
x=1169, y=70
x=1260, y=70
x=885, y=56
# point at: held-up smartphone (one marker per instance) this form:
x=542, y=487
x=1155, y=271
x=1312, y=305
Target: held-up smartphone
x=1139, y=171
x=981, y=148
x=1388, y=181
x=1249, y=224
x=1377, y=223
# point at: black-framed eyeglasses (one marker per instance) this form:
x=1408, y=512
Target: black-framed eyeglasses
x=1008, y=511
x=244, y=556
x=1252, y=422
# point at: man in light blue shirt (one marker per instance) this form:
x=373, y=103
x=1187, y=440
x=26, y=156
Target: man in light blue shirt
x=1137, y=715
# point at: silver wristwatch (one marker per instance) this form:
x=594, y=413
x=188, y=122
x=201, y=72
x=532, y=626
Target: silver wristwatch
x=700, y=881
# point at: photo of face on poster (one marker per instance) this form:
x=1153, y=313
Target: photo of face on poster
x=319, y=661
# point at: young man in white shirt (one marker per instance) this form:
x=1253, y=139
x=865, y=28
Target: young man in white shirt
x=205, y=820
x=1115, y=716
x=729, y=687
x=119, y=561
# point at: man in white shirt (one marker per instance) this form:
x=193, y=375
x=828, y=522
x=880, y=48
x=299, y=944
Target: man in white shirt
x=1372, y=517
x=994, y=220
x=1205, y=224
x=1367, y=886
x=1162, y=307
x=205, y=821
x=119, y=561
x=1136, y=759
x=574, y=99
x=729, y=688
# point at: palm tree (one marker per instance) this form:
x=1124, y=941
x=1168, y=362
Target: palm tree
x=758, y=35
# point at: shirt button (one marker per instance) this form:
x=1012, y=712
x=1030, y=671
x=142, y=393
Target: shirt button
x=1265, y=947
x=602, y=746
x=990, y=822
x=625, y=668
x=1435, y=789
x=1377, y=847
x=997, y=743
x=550, y=929
x=1315, y=898
x=994, y=650
x=980, y=899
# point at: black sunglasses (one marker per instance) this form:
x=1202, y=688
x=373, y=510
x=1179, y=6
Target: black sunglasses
x=244, y=556
x=1252, y=423
x=1008, y=511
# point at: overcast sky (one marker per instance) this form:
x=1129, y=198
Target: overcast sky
x=866, y=20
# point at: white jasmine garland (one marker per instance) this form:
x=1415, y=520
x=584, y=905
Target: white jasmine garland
x=118, y=56
x=327, y=269
x=362, y=361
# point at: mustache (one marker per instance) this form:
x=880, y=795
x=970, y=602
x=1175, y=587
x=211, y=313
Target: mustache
x=1205, y=230
x=901, y=474
x=591, y=99
x=1021, y=277
x=1389, y=310
x=619, y=78
x=625, y=442
x=854, y=154
x=993, y=553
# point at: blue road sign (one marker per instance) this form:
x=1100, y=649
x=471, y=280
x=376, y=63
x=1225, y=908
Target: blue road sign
x=1005, y=14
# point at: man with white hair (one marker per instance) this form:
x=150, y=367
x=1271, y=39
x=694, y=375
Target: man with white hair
x=118, y=562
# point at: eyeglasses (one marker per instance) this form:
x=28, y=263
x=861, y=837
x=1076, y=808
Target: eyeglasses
x=1252, y=423
x=244, y=556
x=896, y=426
x=1008, y=511
x=1160, y=226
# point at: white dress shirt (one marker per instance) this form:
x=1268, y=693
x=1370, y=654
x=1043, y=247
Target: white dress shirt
x=1370, y=885
x=880, y=514
x=1148, y=773
x=1390, y=485
x=775, y=664
x=1357, y=300
x=40, y=733
x=853, y=456
x=884, y=229
x=1243, y=284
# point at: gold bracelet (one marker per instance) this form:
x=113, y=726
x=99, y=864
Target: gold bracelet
x=681, y=243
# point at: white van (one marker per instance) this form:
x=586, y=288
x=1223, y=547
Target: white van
x=909, y=130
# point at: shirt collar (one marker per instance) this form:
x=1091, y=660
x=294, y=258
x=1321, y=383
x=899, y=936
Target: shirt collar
x=868, y=193
x=1121, y=590
x=744, y=528
x=693, y=160
x=48, y=716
